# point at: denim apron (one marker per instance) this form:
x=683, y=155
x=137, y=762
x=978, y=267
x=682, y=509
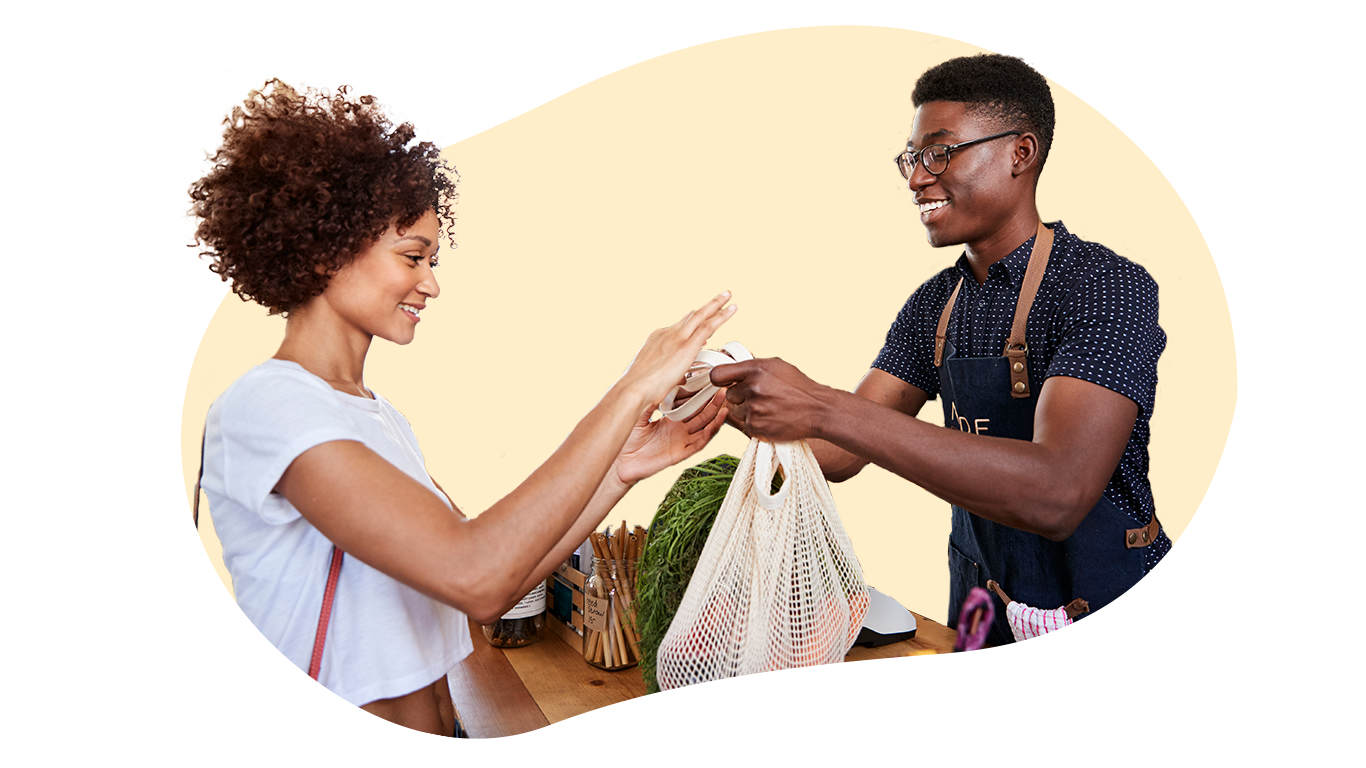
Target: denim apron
x=996, y=396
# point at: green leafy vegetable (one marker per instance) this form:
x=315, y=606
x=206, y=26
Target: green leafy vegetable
x=678, y=534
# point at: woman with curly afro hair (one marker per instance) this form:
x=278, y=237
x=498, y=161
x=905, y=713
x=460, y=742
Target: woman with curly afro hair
x=320, y=209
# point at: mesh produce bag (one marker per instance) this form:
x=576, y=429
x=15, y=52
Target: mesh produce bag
x=777, y=585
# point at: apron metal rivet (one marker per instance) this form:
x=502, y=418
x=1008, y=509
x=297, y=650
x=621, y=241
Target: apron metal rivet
x=1019, y=385
x=1018, y=367
x=1133, y=537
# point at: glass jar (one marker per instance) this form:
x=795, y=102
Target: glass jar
x=522, y=625
x=609, y=625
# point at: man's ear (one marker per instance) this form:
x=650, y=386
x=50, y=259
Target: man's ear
x=1026, y=156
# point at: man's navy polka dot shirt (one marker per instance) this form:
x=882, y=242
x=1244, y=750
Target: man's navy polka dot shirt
x=1094, y=318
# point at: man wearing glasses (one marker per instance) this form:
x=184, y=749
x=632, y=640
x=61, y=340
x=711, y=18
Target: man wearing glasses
x=1041, y=346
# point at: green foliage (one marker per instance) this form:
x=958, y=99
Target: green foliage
x=213, y=622
x=678, y=534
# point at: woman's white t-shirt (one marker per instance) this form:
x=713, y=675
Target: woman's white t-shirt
x=384, y=639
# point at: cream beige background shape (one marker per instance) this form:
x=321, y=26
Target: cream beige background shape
x=759, y=164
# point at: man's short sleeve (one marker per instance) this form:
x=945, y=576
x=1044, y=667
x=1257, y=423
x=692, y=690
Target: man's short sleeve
x=261, y=425
x=908, y=352
x=1109, y=332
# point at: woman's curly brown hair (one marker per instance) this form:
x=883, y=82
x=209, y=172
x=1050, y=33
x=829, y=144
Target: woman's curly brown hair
x=305, y=182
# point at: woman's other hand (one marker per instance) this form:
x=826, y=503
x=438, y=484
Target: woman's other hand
x=654, y=445
x=660, y=364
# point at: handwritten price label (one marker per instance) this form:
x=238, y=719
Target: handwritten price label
x=595, y=610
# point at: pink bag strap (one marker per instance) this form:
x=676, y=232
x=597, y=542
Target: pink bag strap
x=333, y=574
x=310, y=686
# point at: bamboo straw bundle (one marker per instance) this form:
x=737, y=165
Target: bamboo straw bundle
x=614, y=643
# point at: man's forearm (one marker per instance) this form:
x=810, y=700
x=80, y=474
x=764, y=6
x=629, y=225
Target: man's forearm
x=1017, y=483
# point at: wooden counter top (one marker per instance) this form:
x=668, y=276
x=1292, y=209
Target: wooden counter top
x=502, y=692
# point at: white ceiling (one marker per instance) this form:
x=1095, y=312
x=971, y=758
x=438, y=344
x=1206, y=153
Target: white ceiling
x=615, y=52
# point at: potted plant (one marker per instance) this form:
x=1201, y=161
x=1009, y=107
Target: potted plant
x=212, y=625
x=202, y=90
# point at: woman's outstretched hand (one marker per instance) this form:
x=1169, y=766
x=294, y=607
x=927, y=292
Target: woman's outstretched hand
x=654, y=445
x=660, y=364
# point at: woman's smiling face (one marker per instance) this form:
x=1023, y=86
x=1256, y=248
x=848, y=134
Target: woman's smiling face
x=382, y=291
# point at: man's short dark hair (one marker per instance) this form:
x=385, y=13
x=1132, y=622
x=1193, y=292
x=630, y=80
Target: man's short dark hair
x=1003, y=88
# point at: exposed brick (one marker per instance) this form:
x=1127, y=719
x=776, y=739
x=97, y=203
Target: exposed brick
x=1144, y=55
x=1235, y=455
x=1242, y=312
x=1236, y=478
x=1238, y=204
x=1245, y=424
x=1182, y=111
x=1096, y=71
x=1182, y=161
x=1174, y=64
x=1209, y=79
x=1118, y=86
x=1215, y=127
x=1202, y=211
x=1159, y=144
x=1148, y=99
x=1242, y=148
x=1241, y=175
x=1227, y=230
x=1107, y=44
x=1137, y=125
x=1242, y=93
x=1219, y=502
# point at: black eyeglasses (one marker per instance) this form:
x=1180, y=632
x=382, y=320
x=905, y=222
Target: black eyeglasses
x=936, y=156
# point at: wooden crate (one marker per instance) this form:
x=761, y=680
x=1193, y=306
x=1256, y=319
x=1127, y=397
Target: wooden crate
x=1221, y=664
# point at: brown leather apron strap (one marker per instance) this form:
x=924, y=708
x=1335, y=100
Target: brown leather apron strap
x=1017, y=350
x=1136, y=538
x=940, y=333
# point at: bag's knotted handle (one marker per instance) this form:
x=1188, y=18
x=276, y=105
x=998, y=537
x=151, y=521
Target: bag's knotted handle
x=763, y=473
x=697, y=381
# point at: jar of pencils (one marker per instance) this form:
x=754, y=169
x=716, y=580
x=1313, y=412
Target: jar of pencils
x=609, y=625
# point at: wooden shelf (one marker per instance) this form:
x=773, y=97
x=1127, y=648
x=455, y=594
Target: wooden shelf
x=1215, y=570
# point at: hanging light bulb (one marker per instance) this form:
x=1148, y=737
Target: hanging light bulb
x=564, y=67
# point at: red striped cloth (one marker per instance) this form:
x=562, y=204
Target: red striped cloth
x=1026, y=621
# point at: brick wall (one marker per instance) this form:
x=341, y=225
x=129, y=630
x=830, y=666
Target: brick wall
x=1191, y=104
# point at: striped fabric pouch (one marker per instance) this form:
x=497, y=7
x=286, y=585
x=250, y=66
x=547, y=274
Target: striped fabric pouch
x=1042, y=634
